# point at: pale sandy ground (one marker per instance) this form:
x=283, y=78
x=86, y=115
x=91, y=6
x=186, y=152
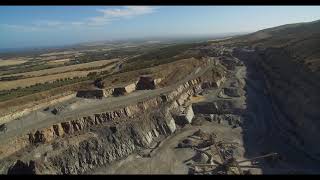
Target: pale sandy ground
x=11, y=62
x=65, y=68
x=7, y=85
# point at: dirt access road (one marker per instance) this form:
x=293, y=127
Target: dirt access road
x=167, y=159
x=257, y=135
x=39, y=119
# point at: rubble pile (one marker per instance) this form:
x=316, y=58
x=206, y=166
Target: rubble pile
x=214, y=156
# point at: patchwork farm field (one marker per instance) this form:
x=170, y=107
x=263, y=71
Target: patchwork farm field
x=95, y=64
x=11, y=62
x=40, y=77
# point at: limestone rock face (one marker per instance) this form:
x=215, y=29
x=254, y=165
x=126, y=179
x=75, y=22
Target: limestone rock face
x=109, y=144
x=108, y=92
x=189, y=113
x=293, y=91
x=219, y=107
x=185, y=117
x=42, y=136
x=172, y=125
x=58, y=130
x=229, y=62
x=130, y=87
x=170, y=122
x=103, y=137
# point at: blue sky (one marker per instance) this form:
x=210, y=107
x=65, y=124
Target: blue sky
x=29, y=26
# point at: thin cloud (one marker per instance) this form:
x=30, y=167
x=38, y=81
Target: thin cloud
x=127, y=11
x=106, y=17
x=109, y=15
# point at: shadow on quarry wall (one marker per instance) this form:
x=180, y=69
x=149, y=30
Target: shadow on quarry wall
x=261, y=132
x=21, y=168
x=257, y=135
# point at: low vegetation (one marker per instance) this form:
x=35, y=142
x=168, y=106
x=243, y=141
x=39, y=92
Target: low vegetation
x=19, y=92
x=160, y=56
x=142, y=57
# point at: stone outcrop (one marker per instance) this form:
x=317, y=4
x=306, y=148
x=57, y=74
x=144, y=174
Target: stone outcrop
x=229, y=62
x=101, y=138
x=219, y=107
x=42, y=136
x=70, y=127
x=108, y=92
x=185, y=117
x=109, y=143
x=294, y=94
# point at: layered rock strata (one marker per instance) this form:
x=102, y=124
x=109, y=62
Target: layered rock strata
x=77, y=145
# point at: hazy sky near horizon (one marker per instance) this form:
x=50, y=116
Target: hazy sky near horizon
x=29, y=26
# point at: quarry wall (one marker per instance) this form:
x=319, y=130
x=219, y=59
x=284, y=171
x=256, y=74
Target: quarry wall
x=32, y=107
x=117, y=133
x=293, y=91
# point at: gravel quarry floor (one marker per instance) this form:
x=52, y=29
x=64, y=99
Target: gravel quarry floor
x=255, y=137
x=168, y=159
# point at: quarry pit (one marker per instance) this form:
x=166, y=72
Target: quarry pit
x=157, y=130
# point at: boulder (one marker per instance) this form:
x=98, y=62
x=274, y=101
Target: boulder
x=200, y=158
x=184, y=117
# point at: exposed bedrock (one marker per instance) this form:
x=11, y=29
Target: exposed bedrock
x=78, y=145
x=102, y=145
x=185, y=117
x=294, y=93
x=109, y=144
x=219, y=107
